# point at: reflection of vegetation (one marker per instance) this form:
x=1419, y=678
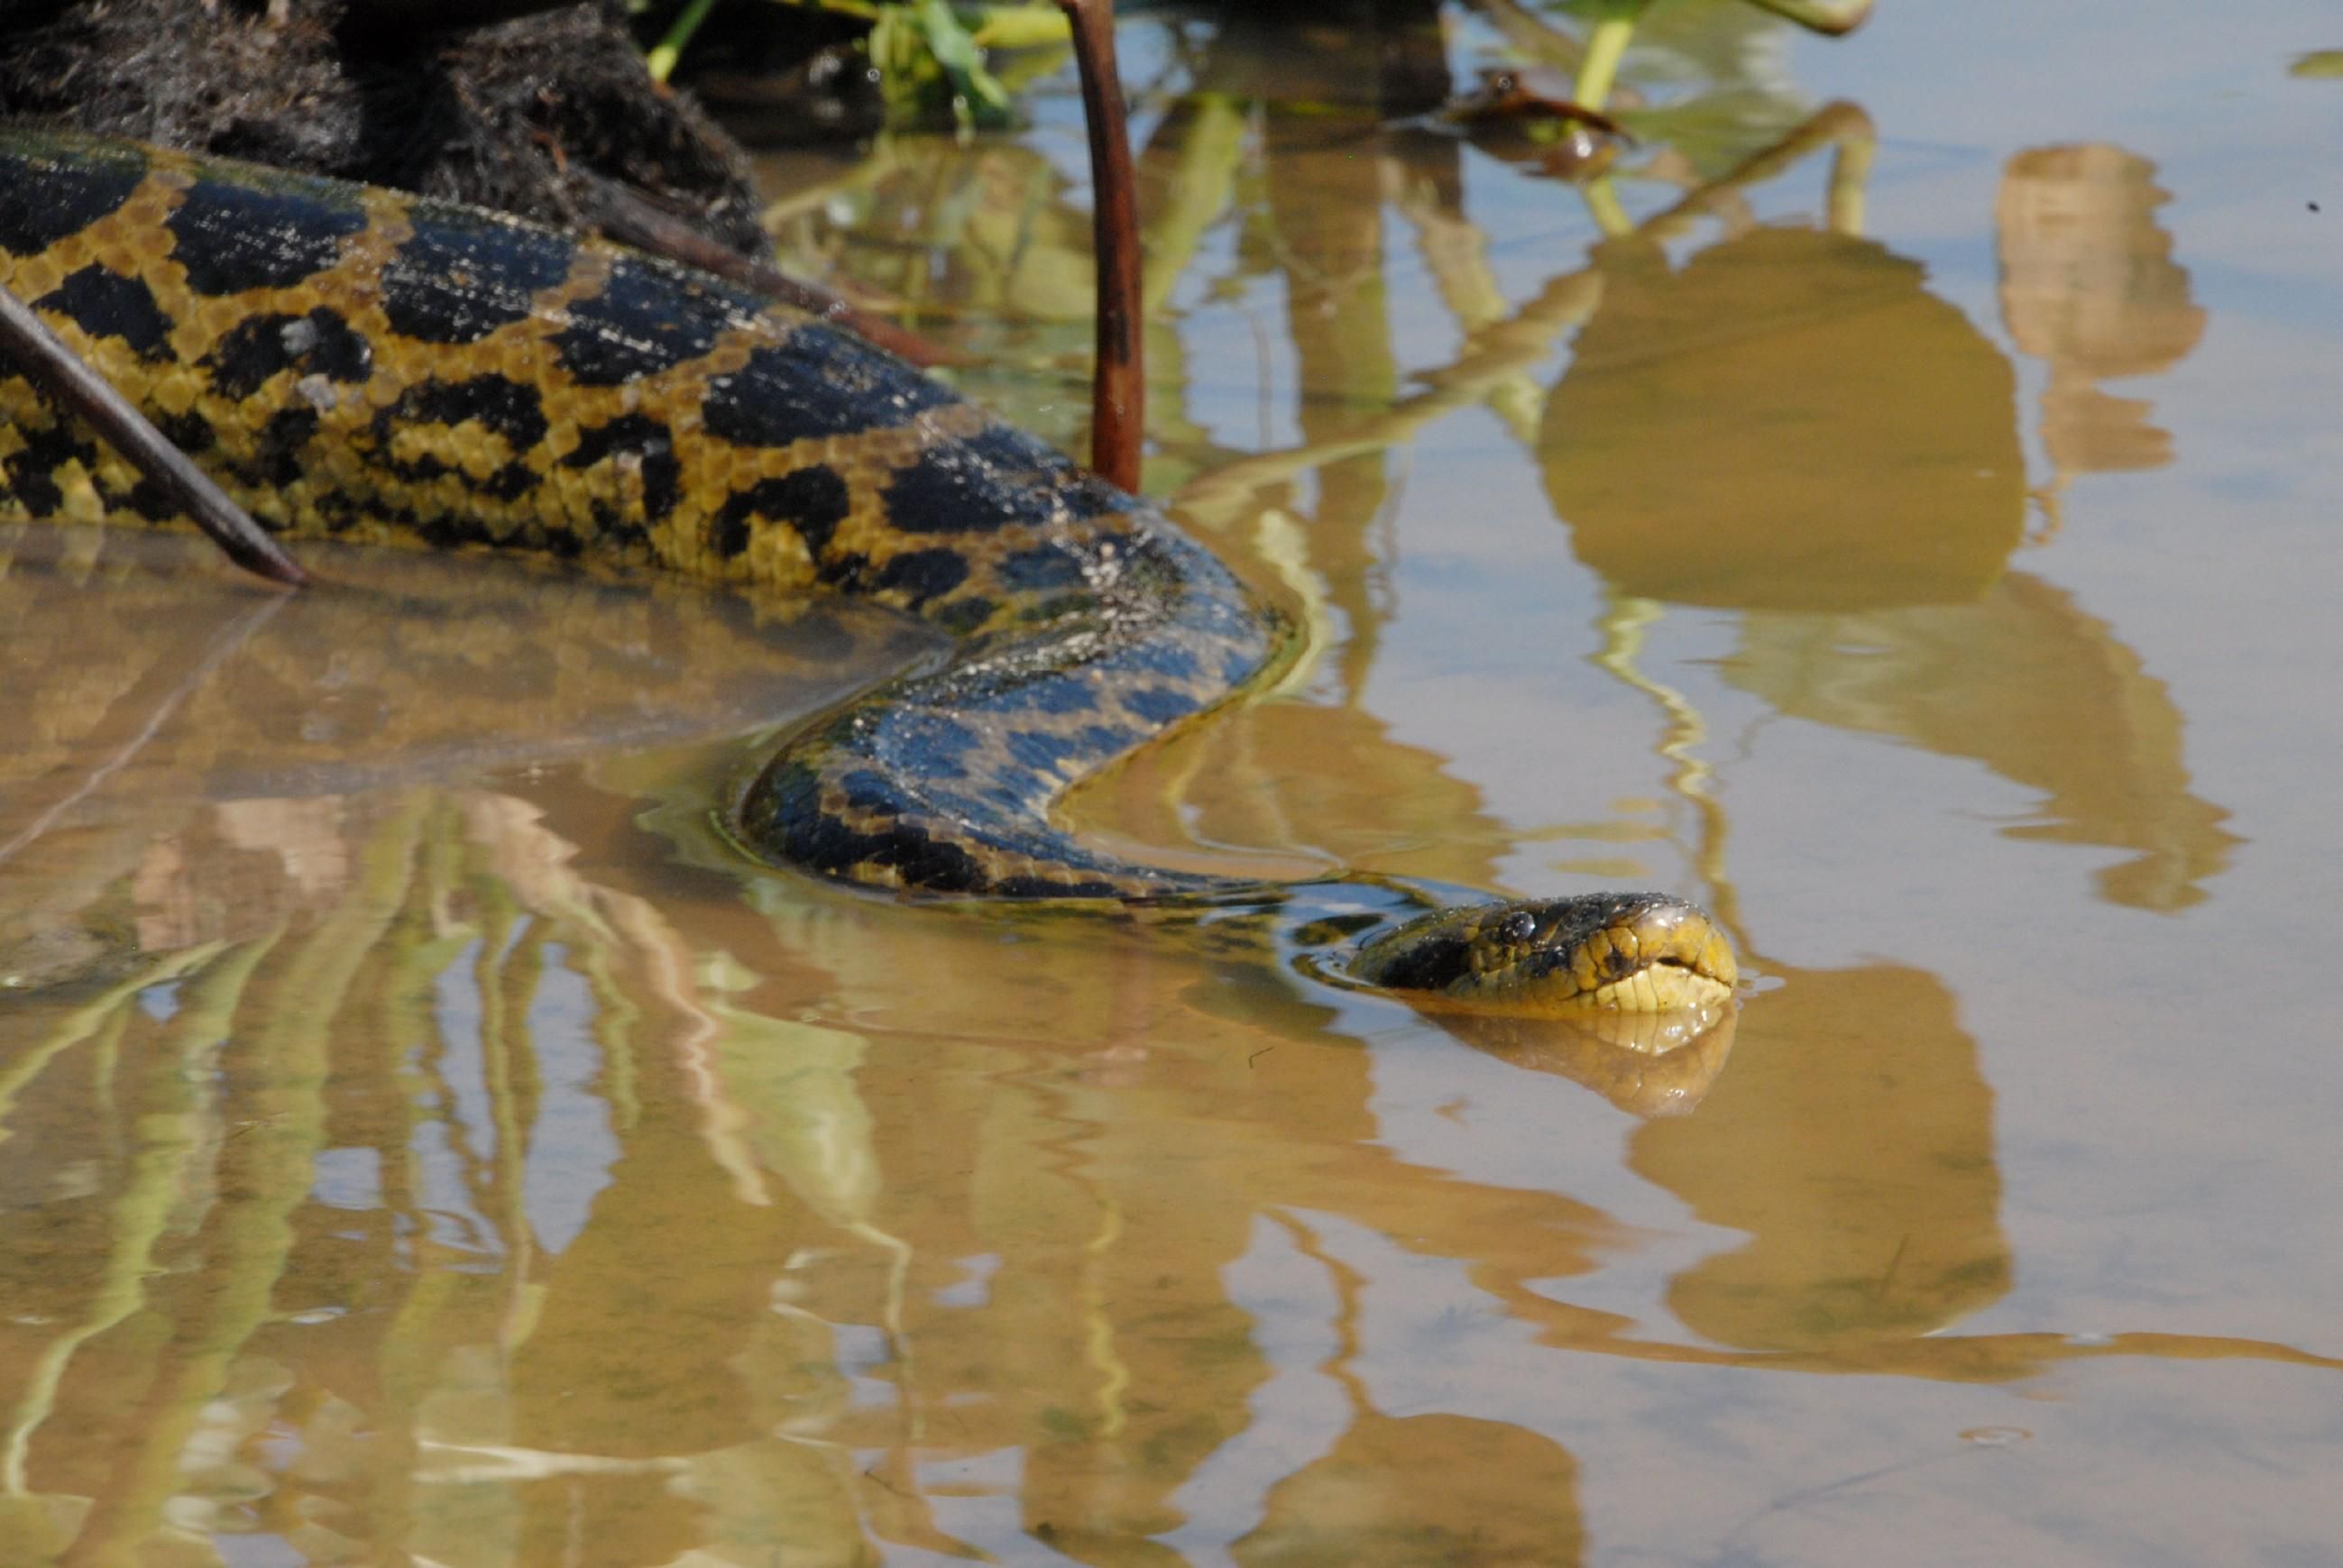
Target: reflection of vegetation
x=1701, y=82
x=2024, y=681
x=1698, y=445
x=1432, y=1488
x=491, y=1202
x=472, y=1190
x=931, y=56
x=225, y=1078
x=2089, y=285
x=1870, y=1198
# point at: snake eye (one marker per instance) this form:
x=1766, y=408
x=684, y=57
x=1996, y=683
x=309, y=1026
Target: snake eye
x=1517, y=927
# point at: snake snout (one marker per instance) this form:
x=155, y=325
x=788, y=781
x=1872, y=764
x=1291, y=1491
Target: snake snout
x=1627, y=952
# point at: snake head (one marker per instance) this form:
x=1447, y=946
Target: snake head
x=1626, y=952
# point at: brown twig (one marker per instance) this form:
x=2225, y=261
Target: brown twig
x=1119, y=390
x=1509, y=98
x=61, y=376
x=626, y=216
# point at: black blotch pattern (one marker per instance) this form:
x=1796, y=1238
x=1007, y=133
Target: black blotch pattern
x=1042, y=566
x=648, y=440
x=451, y=528
x=28, y=469
x=190, y=432
x=644, y=320
x=105, y=304
x=846, y=572
x=463, y=274
x=320, y=344
x=1159, y=705
x=922, y=575
x=510, y=483
x=45, y=198
x=813, y=500
x=508, y=408
x=1429, y=964
x=1056, y=608
x=151, y=502
x=986, y=482
x=936, y=746
x=338, y=511
x=819, y=381
x=1051, y=697
x=782, y=816
x=278, y=450
x=614, y=527
x=1041, y=753
x=235, y=237
x=1163, y=656
x=730, y=535
x=1085, y=495
x=964, y=616
x=1102, y=740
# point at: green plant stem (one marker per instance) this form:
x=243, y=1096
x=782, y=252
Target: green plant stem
x=662, y=58
x=1605, y=46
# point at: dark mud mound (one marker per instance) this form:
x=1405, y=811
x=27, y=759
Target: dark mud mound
x=538, y=115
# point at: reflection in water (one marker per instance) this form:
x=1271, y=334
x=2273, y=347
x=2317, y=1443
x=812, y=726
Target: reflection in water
x=494, y=1210
x=426, y=1185
x=1648, y=1065
x=428, y=1163
x=2027, y=684
x=1856, y=1153
x=184, y=688
x=2089, y=287
x=1424, y=1489
x=1702, y=447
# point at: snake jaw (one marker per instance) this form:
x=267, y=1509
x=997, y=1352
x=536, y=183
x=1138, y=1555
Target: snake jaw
x=1625, y=952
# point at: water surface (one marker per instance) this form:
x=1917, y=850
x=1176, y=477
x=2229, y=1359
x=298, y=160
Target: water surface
x=1895, y=509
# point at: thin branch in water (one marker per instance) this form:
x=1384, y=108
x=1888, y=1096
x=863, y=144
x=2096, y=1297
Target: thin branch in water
x=223, y=640
x=631, y=219
x=1118, y=392
x=70, y=385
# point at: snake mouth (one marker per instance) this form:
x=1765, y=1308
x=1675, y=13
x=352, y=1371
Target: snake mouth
x=1664, y=987
x=1643, y=953
x=1616, y=952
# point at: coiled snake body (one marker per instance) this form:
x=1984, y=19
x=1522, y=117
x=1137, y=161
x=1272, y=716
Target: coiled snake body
x=359, y=364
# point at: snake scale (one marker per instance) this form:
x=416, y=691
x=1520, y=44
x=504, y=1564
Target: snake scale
x=357, y=364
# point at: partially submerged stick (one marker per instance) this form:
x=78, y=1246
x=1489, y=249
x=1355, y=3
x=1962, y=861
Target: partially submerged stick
x=628, y=217
x=1119, y=386
x=61, y=376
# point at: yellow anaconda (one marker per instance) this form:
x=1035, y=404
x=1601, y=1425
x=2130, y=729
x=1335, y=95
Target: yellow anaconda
x=355, y=363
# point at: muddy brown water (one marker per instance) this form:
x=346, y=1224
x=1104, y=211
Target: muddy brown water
x=1895, y=509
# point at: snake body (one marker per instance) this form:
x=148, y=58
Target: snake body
x=355, y=363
